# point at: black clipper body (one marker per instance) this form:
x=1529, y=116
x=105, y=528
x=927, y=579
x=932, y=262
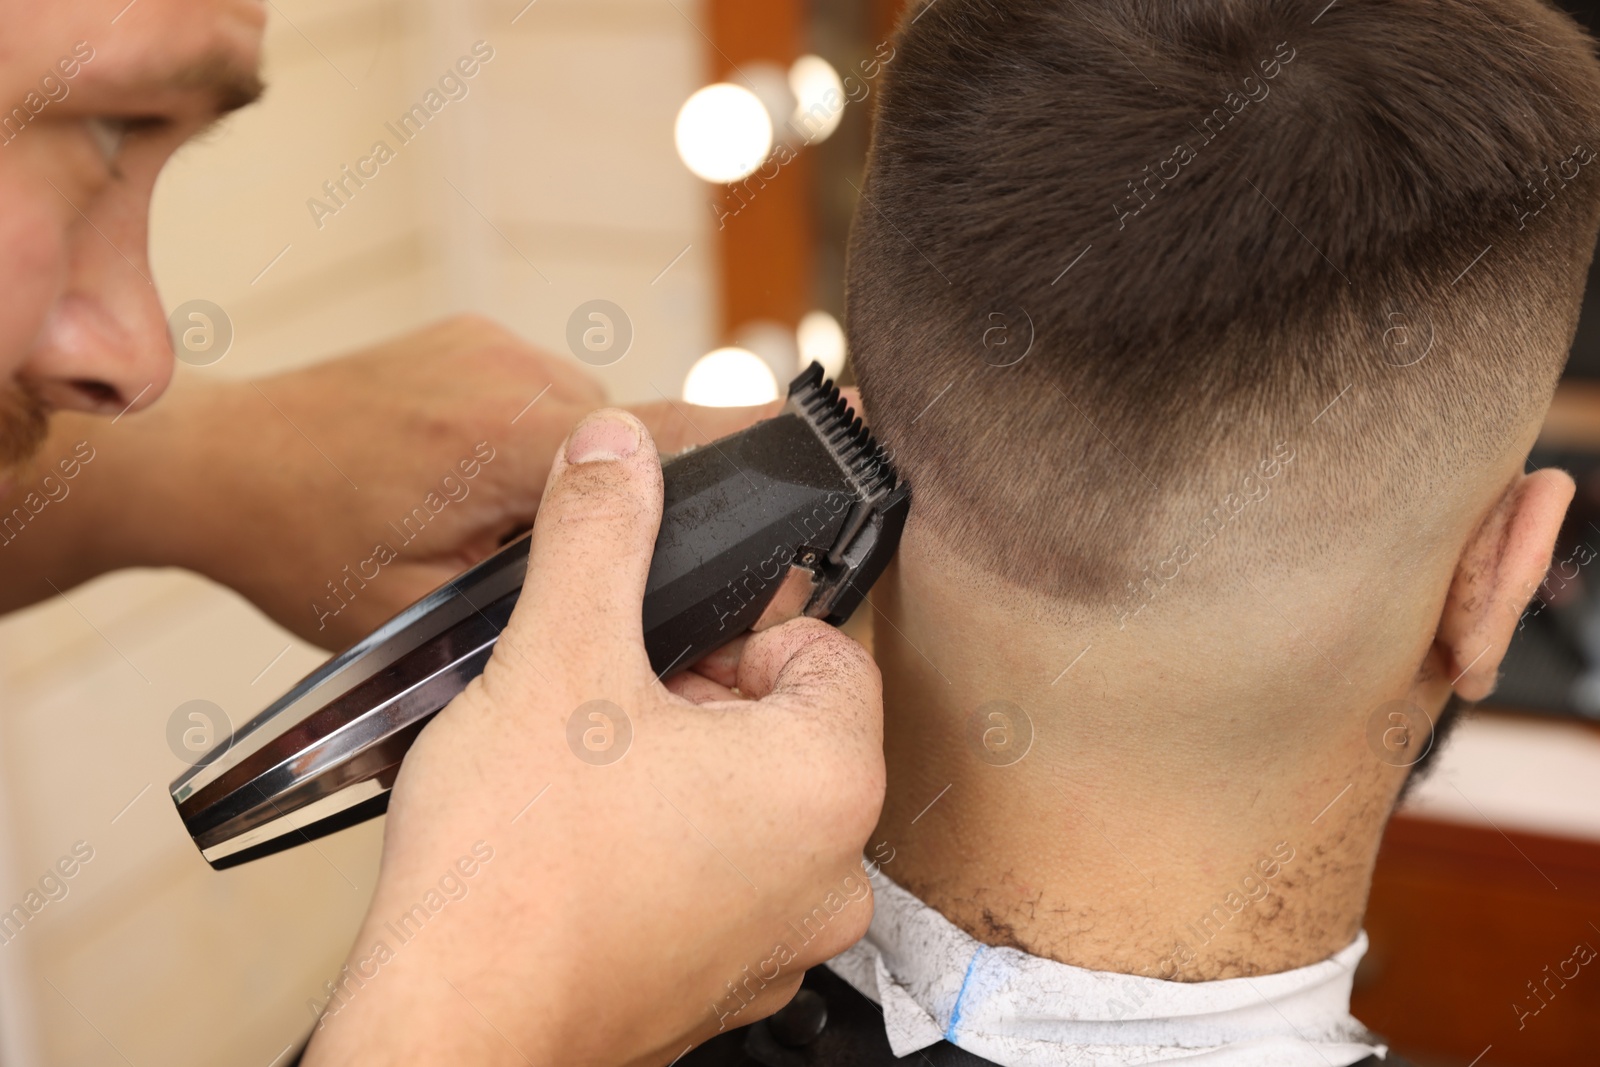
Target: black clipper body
x=797, y=515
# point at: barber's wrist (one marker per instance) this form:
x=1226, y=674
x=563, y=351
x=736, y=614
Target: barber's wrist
x=437, y=1003
x=422, y=1024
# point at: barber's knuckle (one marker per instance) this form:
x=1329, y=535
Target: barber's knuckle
x=838, y=668
x=855, y=664
x=793, y=646
x=835, y=649
x=511, y=359
x=489, y=344
x=472, y=326
x=436, y=427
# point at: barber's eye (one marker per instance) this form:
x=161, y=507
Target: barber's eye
x=108, y=133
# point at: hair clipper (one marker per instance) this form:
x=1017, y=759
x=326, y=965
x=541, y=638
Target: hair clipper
x=797, y=515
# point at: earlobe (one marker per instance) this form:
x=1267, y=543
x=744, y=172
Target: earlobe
x=1500, y=569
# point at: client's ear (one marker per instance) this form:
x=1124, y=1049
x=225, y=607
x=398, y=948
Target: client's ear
x=1499, y=571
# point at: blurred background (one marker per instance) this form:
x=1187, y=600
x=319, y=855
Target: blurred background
x=686, y=171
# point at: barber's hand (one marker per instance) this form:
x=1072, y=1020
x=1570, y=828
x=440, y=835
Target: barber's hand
x=405, y=422
x=598, y=870
x=335, y=495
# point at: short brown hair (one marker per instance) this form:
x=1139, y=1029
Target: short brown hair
x=1209, y=218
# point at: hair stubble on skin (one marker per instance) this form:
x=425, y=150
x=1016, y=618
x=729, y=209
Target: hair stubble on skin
x=230, y=85
x=24, y=423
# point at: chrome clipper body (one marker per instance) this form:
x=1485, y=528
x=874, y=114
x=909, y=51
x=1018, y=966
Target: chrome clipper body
x=797, y=515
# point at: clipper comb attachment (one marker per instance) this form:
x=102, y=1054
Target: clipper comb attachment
x=795, y=515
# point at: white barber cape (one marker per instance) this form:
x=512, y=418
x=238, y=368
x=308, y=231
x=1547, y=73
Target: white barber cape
x=935, y=983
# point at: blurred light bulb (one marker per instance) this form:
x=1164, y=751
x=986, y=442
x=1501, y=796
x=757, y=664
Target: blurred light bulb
x=729, y=378
x=819, y=98
x=723, y=133
x=821, y=338
x=770, y=83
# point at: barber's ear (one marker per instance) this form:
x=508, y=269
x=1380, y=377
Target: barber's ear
x=1500, y=570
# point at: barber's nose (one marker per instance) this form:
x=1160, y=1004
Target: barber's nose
x=104, y=347
x=102, y=356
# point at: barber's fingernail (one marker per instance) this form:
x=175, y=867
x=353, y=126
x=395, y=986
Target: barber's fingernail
x=602, y=437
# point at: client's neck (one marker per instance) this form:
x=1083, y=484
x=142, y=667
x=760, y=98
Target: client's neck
x=1161, y=821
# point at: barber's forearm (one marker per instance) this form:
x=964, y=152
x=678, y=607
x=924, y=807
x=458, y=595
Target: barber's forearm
x=101, y=495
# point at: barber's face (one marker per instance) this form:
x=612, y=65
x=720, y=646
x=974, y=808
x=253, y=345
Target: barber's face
x=94, y=96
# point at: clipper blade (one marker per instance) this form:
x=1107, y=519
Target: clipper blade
x=798, y=514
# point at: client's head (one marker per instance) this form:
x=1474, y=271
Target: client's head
x=1212, y=338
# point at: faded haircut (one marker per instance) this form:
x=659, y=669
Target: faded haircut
x=1119, y=264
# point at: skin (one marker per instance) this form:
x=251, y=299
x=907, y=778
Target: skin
x=83, y=333
x=392, y=422
x=739, y=812
x=1173, y=759
x=1084, y=851
x=220, y=478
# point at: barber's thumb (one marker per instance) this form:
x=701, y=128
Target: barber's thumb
x=809, y=667
x=582, y=601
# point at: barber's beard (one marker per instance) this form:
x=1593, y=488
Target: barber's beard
x=24, y=424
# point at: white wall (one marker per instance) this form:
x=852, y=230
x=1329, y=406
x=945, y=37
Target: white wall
x=565, y=144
